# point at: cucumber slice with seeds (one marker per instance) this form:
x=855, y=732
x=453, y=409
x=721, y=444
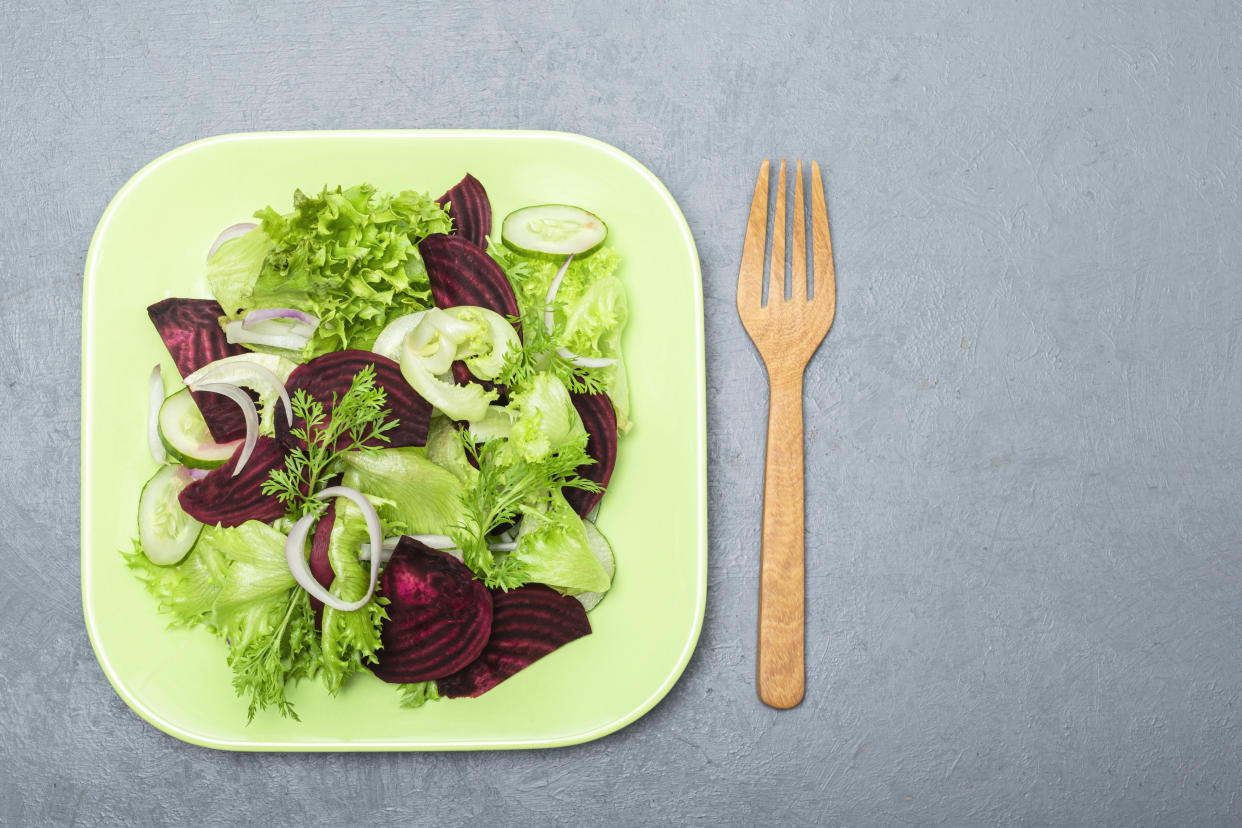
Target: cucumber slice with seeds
x=165, y=531
x=184, y=433
x=553, y=231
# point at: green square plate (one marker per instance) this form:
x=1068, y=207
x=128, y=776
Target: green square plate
x=151, y=244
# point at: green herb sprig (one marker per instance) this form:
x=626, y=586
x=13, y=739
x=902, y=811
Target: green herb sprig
x=359, y=415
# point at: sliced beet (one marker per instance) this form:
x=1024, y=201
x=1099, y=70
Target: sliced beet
x=191, y=331
x=439, y=616
x=600, y=420
x=220, y=498
x=527, y=623
x=470, y=210
x=334, y=372
x=462, y=274
x=320, y=563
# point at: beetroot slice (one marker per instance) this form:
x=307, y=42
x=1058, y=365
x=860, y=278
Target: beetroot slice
x=333, y=373
x=320, y=563
x=220, y=498
x=439, y=616
x=470, y=210
x=600, y=420
x=191, y=331
x=462, y=274
x=527, y=623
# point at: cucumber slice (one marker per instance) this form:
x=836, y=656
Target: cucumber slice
x=553, y=231
x=184, y=433
x=166, y=532
x=602, y=550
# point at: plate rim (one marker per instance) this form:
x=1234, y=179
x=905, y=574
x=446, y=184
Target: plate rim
x=86, y=471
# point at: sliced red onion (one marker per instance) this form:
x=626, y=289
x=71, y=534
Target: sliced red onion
x=295, y=550
x=236, y=334
x=292, y=314
x=230, y=233
x=280, y=322
x=156, y=400
x=244, y=372
x=240, y=397
x=389, y=341
x=197, y=474
x=549, y=322
x=549, y=316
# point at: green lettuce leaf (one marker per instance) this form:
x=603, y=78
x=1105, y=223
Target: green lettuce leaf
x=553, y=547
x=416, y=695
x=544, y=419
x=232, y=271
x=348, y=256
x=445, y=449
x=532, y=277
x=350, y=640
x=422, y=497
x=186, y=590
x=263, y=615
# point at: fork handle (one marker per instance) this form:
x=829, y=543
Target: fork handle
x=781, y=671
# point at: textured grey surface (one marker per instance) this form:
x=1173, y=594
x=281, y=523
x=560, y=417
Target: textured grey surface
x=1023, y=456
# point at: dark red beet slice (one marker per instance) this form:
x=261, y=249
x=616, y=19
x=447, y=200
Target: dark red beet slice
x=333, y=373
x=191, y=331
x=462, y=274
x=470, y=210
x=320, y=563
x=439, y=616
x=600, y=420
x=527, y=623
x=231, y=501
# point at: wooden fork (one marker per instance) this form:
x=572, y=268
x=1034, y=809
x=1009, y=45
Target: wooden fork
x=786, y=332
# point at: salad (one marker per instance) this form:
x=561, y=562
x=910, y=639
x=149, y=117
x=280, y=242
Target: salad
x=389, y=442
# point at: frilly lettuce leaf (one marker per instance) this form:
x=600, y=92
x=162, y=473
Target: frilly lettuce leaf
x=532, y=277
x=553, y=547
x=262, y=614
x=350, y=640
x=544, y=419
x=186, y=590
x=348, y=256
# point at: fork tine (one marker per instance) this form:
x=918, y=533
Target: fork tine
x=797, y=267
x=776, y=273
x=750, y=275
x=825, y=274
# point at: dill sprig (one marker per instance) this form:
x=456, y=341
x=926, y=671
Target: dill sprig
x=496, y=497
x=358, y=415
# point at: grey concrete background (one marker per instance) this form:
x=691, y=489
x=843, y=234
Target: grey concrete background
x=1023, y=433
